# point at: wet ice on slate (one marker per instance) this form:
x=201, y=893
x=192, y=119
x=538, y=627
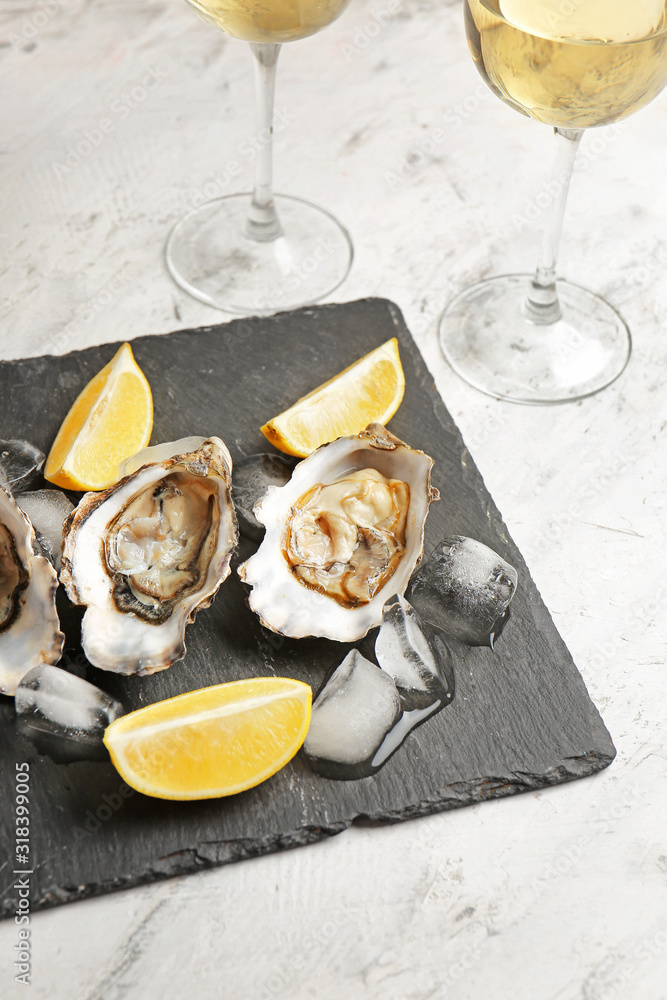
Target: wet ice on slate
x=251, y=478
x=465, y=589
x=52, y=700
x=415, y=657
x=364, y=712
x=20, y=463
x=47, y=510
x=352, y=714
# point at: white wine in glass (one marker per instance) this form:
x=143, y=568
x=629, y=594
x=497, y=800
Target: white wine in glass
x=572, y=64
x=258, y=252
x=269, y=20
x=610, y=62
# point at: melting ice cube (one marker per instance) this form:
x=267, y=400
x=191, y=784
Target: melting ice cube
x=52, y=700
x=364, y=712
x=47, y=510
x=20, y=462
x=465, y=589
x=251, y=479
x=417, y=658
x=351, y=717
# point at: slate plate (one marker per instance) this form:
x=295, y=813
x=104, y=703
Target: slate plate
x=521, y=718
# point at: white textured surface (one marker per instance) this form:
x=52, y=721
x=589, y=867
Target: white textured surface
x=557, y=895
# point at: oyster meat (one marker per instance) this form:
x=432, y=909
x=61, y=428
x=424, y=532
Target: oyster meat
x=347, y=538
x=29, y=627
x=145, y=555
x=342, y=536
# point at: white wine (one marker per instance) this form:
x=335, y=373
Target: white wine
x=571, y=63
x=269, y=21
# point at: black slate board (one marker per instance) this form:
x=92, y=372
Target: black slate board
x=521, y=718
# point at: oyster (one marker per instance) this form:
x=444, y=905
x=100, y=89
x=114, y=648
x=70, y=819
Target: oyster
x=159, y=452
x=145, y=555
x=29, y=627
x=342, y=536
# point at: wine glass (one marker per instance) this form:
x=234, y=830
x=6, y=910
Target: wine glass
x=572, y=65
x=258, y=252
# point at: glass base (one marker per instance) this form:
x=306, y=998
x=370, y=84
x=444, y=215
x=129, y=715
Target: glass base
x=209, y=256
x=490, y=342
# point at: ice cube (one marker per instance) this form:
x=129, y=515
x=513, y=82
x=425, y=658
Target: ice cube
x=61, y=749
x=415, y=656
x=20, y=463
x=251, y=478
x=54, y=701
x=351, y=717
x=465, y=589
x=403, y=727
x=47, y=510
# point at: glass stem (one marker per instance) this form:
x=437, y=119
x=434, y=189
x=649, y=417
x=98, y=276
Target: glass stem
x=542, y=305
x=262, y=223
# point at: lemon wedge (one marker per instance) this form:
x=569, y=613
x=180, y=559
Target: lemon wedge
x=368, y=392
x=212, y=742
x=110, y=420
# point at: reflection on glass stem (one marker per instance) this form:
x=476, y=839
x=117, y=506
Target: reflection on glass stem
x=263, y=224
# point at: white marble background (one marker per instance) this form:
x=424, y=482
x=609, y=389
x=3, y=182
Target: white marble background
x=556, y=895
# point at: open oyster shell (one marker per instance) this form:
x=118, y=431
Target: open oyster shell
x=145, y=555
x=29, y=627
x=286, y=604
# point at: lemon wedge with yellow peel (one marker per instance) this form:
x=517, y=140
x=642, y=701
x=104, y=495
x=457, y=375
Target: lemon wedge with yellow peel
x=212, y=742
x=110, y=420
x=368, y=392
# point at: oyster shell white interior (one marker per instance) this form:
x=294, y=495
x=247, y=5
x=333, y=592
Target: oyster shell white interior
x=145, y=555
x=159, y=452
x=29, y=627
x=343, y=535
